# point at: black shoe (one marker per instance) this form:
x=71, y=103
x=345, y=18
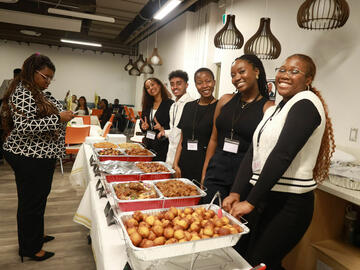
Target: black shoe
x=46, y=256
x=48, y=238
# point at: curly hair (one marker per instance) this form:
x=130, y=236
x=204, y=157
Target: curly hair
x=32, y=64
x=147, y=100
x=327, y=147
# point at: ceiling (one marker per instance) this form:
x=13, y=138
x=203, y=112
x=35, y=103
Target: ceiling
x=132, y=22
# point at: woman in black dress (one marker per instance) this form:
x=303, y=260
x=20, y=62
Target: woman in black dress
x=235, y=119
x=196, y=126
x=156, y=104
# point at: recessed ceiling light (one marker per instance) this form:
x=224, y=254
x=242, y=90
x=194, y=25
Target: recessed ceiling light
x=9, y=1
x=30, y=33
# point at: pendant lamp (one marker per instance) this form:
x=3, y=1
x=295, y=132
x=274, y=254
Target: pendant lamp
x=263, y=44
x=323, y=14
x=229, y=37
x=139, y=62
x=134, y=71
x=155, y=58
x=146, y=68
x=129, y=65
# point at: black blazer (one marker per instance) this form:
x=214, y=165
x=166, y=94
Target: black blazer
x=162, y=115
x=160, y=146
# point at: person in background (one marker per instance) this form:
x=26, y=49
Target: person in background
x=179, y=83
x=82, y=108
x=3, y=89
x=106, y=114
x=196, y=125
x=289, y=155
x=117, y=109
x=156, y=103
x=98, y=105
x=235, y=119
x=74, y=101
x=34, y=124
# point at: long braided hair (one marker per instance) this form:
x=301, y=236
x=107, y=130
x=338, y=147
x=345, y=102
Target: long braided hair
x=32, y=64
x=327, y=147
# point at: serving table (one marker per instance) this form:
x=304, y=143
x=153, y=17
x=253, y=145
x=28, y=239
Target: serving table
x=108, y=244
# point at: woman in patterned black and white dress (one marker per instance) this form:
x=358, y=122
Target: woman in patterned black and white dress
x=34, y=125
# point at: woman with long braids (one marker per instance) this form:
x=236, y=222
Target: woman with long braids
x=34, y=126
x=289, y=155
x=235, y=119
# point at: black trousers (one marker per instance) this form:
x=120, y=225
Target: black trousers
x=33, y=181
x=276, y=225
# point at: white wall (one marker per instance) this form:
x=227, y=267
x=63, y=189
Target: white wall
x=82, y=73
x=335, y=52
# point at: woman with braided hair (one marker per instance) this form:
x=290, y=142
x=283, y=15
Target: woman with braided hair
x=34, y=125
x=289, y=155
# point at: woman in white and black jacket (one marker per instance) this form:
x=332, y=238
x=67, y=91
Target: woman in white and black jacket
x=290, y=153
x=34, y=125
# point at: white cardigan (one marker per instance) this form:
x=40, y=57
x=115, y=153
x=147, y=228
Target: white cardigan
x=298, y=178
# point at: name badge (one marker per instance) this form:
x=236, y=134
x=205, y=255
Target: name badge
x=192, y=145
x=150, y=135
x=231, y=146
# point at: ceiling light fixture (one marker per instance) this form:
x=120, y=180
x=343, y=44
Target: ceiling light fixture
x=229, y=37
x=81, y=42
x=81, y=15
x=9, y=1
x=166, y=9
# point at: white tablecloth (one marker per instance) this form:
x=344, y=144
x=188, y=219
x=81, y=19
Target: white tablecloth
x=108, y=245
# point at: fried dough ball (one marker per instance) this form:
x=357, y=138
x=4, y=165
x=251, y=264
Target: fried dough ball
x=131, y=223
x=171, y=241
x=174, y=211
x=187, y=235
x=183, y=223
x=208, y=230
x=238, y=228
x=150, y=220
x=233, y=230
x=158, y=223
x=182, y=240
x=195, y=237
x=179, y=234
x=159, y=241
x=149, y=243
x=158, y=230
x=169, y=233
x=161, y=215
x=225, y=220
x=131, y=230
x=204, y=236
x=224, y=231
x=138, y=216
x=188, y=210
x=219, y=223
x=195, y=226
x=144, y=231
x=152, y=235
x=165, y=222
x=136, y=238
x=169, y=215
x=177, y=227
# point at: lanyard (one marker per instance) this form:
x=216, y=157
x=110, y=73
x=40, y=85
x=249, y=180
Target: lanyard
x=236, y=112
x=196, y=110
x=151, y=118
x=263, y=126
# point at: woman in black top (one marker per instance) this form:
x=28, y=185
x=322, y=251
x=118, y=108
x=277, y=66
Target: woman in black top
x=34, y=123
x=235, y=119
x=106, y=114
x=196, y=126
x=156, y=104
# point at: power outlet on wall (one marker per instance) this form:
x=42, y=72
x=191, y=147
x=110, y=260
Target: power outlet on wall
x=353, y=134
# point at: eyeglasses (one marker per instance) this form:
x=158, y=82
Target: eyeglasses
x=47, y=78
x=290, y=72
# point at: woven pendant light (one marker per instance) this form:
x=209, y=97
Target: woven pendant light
x=139, y=62
x=263, y=44
x=323, y=14
x=129, y=65
x=146, y=68
x=134, y=71
x=229, y=37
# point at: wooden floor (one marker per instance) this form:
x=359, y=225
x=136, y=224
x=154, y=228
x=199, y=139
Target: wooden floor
x=71, y=249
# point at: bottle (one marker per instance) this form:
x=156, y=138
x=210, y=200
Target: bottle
x=350, y=225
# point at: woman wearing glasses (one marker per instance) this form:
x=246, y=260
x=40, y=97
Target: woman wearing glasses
x=34, y=126
x=289, y=155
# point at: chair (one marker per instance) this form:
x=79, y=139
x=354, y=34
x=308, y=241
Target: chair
x=137, y=130
x=111, y=118
x=97, y=112
x=74, y=137
x=106, y=129
x=86, y=119
x=139, y=114
x=132, y=118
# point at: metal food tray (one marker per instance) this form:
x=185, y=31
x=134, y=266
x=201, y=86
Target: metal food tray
x=181, y=201
x=142, y=176
x=141, y=204
x=179, y=249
